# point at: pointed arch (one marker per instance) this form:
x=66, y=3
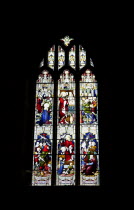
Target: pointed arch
x=66, y=141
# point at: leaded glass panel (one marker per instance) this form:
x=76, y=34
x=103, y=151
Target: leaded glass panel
x=51, y=57
x=82, y=57
x=61, y=57
x=66, y=130
x=72, y=57
x=89, y=139
x=43, y=130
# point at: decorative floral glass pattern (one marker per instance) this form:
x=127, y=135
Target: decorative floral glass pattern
x=67, y=40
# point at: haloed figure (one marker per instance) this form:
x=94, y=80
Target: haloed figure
x=45, y=117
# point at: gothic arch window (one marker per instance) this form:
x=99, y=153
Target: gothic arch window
x=66, y=140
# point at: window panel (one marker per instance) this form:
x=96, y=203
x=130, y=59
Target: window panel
x=61, y=57
x=51, y=57
x=43, y=130
x=66, y=130
x=62, y=144
x=88, y=110
x=89, y=146
x=66, y=99
x=88, y=76
x=89, y=140
x=72, y=57
x=93, y=129
x=43, y=144
x=82, y=57
x=89, y=166
x=65, y=170
x=42, y=169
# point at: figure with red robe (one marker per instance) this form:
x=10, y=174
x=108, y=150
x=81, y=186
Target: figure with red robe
x=45, y=147
x=90, y=165
x=63, y=105
x=39, y=107
x=46, y=167
x=68, y=143
x=36, y=159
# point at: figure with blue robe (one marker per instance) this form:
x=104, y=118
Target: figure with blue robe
x=61, y=164
x=45, y=115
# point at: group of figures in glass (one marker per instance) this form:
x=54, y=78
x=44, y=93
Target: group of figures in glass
x=66, y=126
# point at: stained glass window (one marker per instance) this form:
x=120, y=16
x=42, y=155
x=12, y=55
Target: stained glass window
x=61, y=57
x=89, y=150
x=51, y=57
x=66, y=128
x=72, y=59
x=82, y=57
x=43, y=130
